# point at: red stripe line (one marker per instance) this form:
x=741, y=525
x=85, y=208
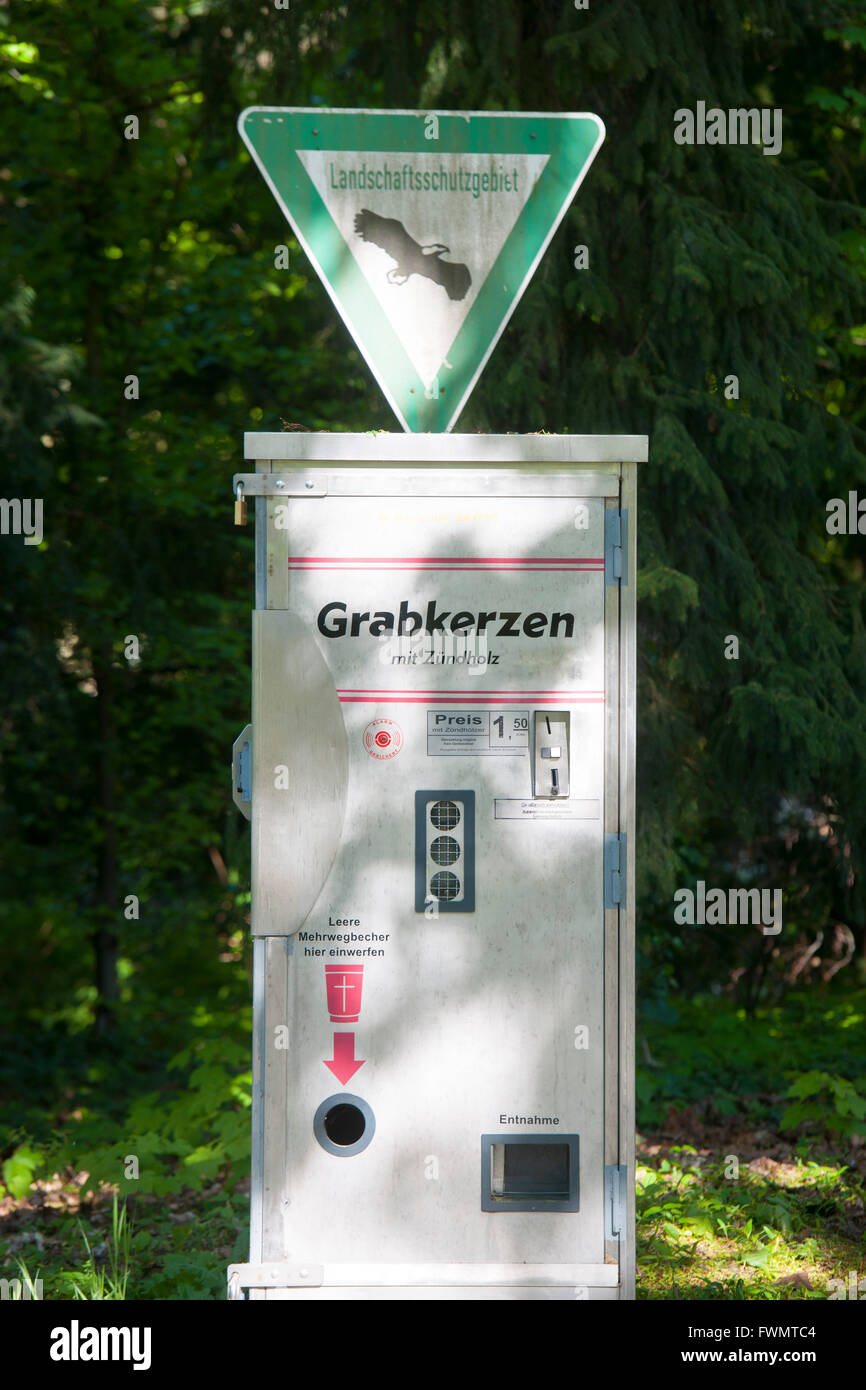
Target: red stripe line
x=466, y=700
x=437, y=564
x=467, y=559
x=459, y=569
x=391, y=690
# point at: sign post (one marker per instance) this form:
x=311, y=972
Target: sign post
x=439, y=770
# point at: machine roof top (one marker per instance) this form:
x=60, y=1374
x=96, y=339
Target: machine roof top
x=384, y=447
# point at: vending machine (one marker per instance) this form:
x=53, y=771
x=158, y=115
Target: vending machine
x=439, y=772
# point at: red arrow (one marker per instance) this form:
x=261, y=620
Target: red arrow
x=343, y=1063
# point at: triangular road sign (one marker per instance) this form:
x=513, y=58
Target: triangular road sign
x=425, y=228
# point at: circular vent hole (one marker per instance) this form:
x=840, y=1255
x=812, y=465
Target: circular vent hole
x=444, y=850
x=445, y=886
x=445, y=815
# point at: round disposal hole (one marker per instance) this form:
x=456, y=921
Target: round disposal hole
x=344, y=1125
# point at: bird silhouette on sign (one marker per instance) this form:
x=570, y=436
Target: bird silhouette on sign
x=412, y=258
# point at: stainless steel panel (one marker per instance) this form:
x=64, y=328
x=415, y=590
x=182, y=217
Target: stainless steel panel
x=508, y=984
x=610, y=982
x=443, y=449
x=627, y=777
x=273, y=1041
x=300, y=772
x=450, y=1293
x=345, y=481
x=307, y=1274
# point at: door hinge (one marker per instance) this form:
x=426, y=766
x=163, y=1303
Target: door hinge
x=614, y=870
x=616, y=545
x=274, y=1274
x=614, y=1201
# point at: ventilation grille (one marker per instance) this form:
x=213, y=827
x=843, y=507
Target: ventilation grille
x=444, y=852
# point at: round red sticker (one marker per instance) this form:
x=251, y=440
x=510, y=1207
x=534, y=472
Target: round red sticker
x=383, y=738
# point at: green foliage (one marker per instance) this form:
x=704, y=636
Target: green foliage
x=195, y=1275
x=175, y=1250
x=20, y=1168
x=826, y=1102
x=182, y=1137
x=189, y=1261
x=98, y=1281
x=693, y=1215
x=708, y=1051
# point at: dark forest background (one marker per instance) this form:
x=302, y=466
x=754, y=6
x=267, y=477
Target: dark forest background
x=125, y=867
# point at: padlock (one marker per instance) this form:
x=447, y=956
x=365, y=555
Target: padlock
x=240, y=506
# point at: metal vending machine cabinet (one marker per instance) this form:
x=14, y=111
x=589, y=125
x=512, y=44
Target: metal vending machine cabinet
x=440, y=777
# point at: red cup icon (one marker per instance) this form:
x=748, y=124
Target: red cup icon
x=343, y=984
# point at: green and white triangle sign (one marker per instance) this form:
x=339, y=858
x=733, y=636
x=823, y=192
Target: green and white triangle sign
x=425, y=228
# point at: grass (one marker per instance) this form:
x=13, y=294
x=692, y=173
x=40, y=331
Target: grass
x=106, y=1281
x=712, y=1228
x=175, y=1248
x=751, y=1171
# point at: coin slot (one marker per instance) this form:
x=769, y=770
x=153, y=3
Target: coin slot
x=550, y=772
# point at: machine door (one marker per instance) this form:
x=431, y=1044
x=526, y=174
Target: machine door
x=428, y=827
